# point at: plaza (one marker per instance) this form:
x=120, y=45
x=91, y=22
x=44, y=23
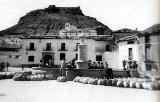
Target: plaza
x=49, y=91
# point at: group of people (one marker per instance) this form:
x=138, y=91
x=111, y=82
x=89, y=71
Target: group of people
x=98, y=65
x=71, y=64
x=4, y=66
x=132, y=65
x=91, y=65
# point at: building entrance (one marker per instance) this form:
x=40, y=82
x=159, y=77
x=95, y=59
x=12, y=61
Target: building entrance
x=48, y=59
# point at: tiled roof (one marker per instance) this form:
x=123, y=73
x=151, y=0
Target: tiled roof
x=124, y=34
x=7, y=45
x=152, y=29
x=97, y=38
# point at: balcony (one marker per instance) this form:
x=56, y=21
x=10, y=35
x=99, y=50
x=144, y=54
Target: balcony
x=47, y=49
x=76, y=49
x=147, y=45
x=30, y=49
x=130, y=57
x=62, y=50
x=100, y=49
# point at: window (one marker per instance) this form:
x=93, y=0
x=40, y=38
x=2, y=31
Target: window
x=107, y=48
x=148, y=67
x=48, y=46
x=62, y=56
x=76, y=56
x=98, y=58
x=30, y=58
x=62, y=46
x=147, y=53
x=31, y=46
x=17, y=56
x=130, y=54
x=130, y=42
x=77, y=46
x=10, y=56
x=147, y=39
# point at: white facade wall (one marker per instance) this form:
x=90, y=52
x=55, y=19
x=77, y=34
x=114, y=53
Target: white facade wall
x=155, y=51
x=14, y=58
x=112, y=58
x=71, y=30
x=153, y=54
x=70, y=45
x=124, y=52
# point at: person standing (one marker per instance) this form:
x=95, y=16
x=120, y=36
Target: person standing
x=50, y=63
x=101, y=66
x=73, y=63
x=94, y=65
x=135, y=65
x=7, y=65
x=40, y=63
x=124, y=64
x=3, y=66
x=98, y=65
x=106, y=65
x=22, y=67
x=62, y=69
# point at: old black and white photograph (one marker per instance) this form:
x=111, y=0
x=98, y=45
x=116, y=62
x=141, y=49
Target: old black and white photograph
x=79, y=51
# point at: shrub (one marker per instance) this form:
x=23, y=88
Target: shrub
x=153, y=85
x=120, y=83
x=144, y=85
x=138, y=85
x=114, y=82
x=126, y=84
x=101, y=81
x=109, y=82
x=132, y=84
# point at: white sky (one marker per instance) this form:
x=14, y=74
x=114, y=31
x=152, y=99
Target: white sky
x=116, y=14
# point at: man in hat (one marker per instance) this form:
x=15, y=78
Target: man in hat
x=62, y=69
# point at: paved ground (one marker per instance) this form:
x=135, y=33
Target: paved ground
x=53, y=91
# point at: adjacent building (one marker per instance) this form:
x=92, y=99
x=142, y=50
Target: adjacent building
x=142, y=47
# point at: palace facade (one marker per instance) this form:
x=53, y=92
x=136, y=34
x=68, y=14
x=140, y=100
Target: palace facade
x=142, y=47
x=65, y=45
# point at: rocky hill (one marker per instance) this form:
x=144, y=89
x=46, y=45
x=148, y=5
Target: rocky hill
x=50, y=20
x=154, y=28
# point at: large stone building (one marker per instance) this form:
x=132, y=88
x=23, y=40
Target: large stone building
x=56, y=49
x=125, y=44
x=65, y=45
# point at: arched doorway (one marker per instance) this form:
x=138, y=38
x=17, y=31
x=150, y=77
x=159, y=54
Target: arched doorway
x=47, y=60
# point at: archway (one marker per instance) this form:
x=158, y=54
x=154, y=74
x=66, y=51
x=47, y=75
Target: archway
x=47, y=60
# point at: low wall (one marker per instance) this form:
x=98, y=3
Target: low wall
x=53, y=73
x=97, y=73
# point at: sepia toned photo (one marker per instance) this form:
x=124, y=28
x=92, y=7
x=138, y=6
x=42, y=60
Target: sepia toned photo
x=79, y=51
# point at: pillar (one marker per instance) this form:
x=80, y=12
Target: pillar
x=82, y=62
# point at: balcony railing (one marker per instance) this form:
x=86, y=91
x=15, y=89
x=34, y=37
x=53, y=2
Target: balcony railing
x=30, y=49
x=100, y=49
x=130, y=57
x=62, y=50
x=76, y=49
x=147, y=44
x=47, y=49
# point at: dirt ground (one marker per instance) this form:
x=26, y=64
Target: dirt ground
x=53, y=91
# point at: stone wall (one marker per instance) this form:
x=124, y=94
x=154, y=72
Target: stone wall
x=53, y=73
